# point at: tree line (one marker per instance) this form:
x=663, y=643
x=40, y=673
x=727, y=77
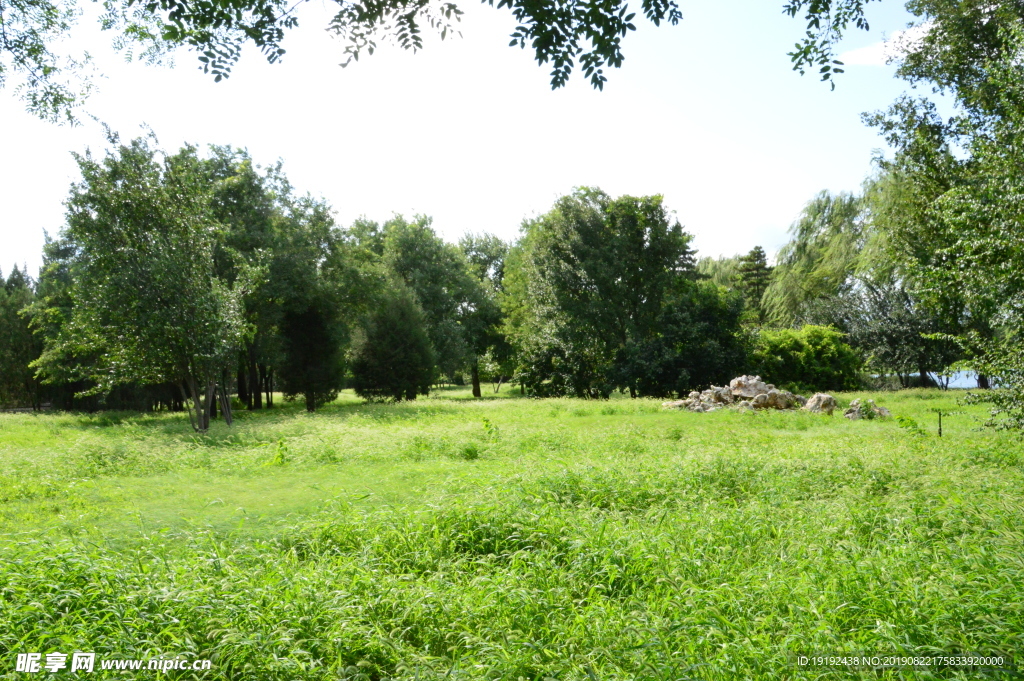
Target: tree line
x=192, y=279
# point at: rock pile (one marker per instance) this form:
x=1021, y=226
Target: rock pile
x=748, y=393
x=744, y=392
x=865, y=410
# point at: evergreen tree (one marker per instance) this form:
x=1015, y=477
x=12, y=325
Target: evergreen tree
x=755, y=275
x=18, y=346
x=313, y=355
x=393, y=359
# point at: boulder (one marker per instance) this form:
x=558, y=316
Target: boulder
x=747, y=386
x=721, y=395
x=821, y=403
x=865, y=410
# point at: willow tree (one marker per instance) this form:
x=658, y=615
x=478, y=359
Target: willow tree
x=146, y=304
x=819, y=259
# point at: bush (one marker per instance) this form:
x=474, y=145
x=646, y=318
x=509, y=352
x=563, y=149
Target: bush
x=811, y=358
x=393, y=360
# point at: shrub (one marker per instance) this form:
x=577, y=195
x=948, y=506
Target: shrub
x=810, y=358
x=393, y=359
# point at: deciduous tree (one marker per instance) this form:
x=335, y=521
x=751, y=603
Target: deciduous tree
x=562, y=33
x=146, y=304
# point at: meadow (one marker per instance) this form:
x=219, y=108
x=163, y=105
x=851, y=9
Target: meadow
x=511, y=538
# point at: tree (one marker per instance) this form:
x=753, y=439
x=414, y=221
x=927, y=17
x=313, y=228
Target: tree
x=893, y=329
x=323, y=284
x=600, y=294
x=820, y=258
x=754, y=277
x=314, y=355
x=564, y=33
x=485, y=255
x=953, y=184
x=18, y=346
x=697, y=343
x=437, y=273
x=252, y=211
x=392, y=359
x=146, y=305
x=722, y=271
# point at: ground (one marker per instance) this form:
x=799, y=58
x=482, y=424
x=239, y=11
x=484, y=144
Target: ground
x=509, y=538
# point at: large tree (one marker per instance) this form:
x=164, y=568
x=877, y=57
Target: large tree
x=562, y=33
x=146, y=305
x=601, y=294
x=818, y=261
x=323, y=284
x=954, y=209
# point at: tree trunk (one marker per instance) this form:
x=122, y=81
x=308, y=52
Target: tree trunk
x=474, y=372
x=209, y=407
x=632, y=392
x=255, y=384
x=225, y=398
x=184, y=403
x=243, y=390
x=983, y=382
x=310, y=402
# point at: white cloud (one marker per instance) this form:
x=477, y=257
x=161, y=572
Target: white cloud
x=886, y=51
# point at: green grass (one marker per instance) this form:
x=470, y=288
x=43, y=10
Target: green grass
x=510, y=538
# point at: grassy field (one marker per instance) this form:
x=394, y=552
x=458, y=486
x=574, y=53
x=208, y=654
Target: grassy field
x=510, y=538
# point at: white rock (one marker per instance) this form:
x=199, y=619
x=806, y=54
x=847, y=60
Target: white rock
x=821, y=403
x=747, y=386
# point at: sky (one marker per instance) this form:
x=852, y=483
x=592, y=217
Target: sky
x=708, y=113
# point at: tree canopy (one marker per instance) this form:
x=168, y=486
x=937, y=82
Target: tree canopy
x=565, y=34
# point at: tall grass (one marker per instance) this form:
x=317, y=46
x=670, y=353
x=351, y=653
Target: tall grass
x=514, y=539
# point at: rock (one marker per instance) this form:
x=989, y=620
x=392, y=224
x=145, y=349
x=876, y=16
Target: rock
x=747, y=386
x=853, y=411
x=800, y=399
x=744, y=406
x=676, y=404
x=865, y=410
x=821, y=403
x=760, y=401
x=721, y=395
